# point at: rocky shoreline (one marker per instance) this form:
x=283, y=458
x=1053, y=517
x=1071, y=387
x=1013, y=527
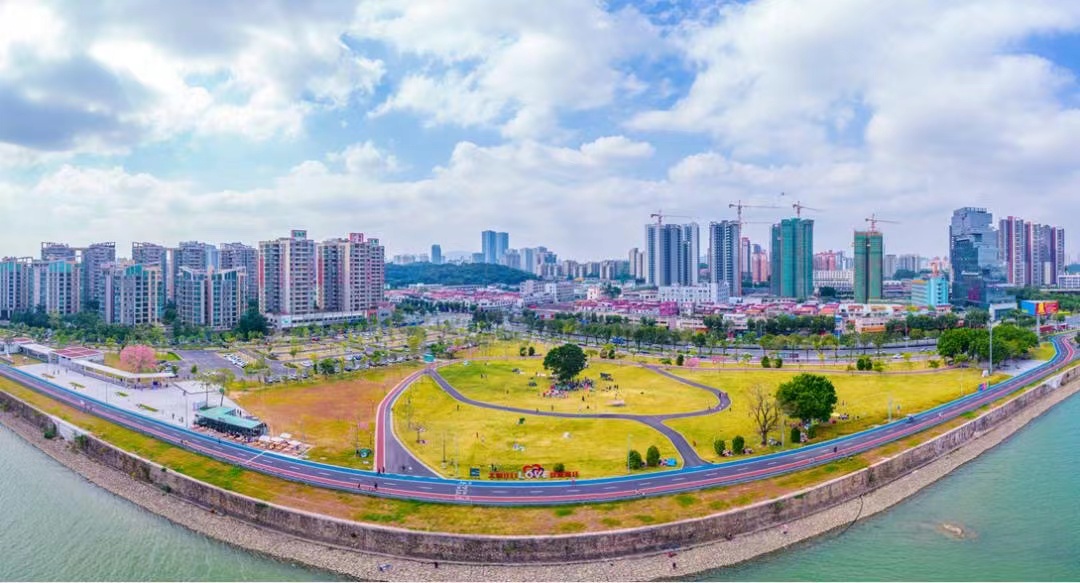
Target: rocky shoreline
x=369, y=566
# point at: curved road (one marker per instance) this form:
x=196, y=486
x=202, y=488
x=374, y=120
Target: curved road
x=538, y=492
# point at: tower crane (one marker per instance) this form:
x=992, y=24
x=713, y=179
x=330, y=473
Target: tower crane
x=659, y=216
x=873, y=220
x=739, y=206
x=799, y=207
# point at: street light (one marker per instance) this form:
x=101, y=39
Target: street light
x=990, y=324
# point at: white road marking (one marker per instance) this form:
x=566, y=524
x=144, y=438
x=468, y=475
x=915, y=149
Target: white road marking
x=610, y=487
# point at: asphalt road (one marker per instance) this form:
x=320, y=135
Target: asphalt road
x=541, y=491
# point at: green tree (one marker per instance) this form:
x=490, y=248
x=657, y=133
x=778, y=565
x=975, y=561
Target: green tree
x=777, y=362
x=634, y=460
x=565, y=362
x=795, y=435
x=807, y=396
x=765, y=361
x=252, y=322
x=652, y=456
x=679, y=360
x=738, y=444
x=719, y=446
x=532, y=351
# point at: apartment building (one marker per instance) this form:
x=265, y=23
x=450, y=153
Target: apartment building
x=287, y=275
x=214, y=298
x=134, y=294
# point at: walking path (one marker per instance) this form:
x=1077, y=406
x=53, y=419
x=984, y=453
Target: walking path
x=690, y=457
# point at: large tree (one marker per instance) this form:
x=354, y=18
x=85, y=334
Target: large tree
x=764, y=410
x=807, y=396
x=138, y=358
x=566, y=361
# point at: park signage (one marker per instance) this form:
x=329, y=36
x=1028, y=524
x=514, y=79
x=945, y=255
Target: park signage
x=533, y=472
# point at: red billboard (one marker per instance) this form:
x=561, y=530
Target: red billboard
x=1039, y=307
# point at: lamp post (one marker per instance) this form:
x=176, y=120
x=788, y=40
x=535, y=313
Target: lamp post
x=990, y=324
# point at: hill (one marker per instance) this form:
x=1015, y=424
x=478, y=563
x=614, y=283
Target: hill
x=447, y=274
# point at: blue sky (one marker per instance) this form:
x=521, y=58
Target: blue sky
x=564, y=122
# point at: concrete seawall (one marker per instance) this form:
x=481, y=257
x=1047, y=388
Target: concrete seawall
x=720, y=538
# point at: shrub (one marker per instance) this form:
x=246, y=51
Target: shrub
x=50, y=432
x=559, y=467
x=521, y=351
x=934, y=363
x=719, y=446
x=82, y=441
x=765, y=361
x=679, y=360
x=777, y=362
x=652, y=456
x=665, y=360
x=532, y=351
x=738, y=444
x=795, y=435
x=634, y=460
x=811, y=431
x=879, y=366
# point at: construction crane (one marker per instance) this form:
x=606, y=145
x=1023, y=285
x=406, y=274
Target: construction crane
x=659, y=216
x=799, y=207
x=739, y=206
x=873, y=220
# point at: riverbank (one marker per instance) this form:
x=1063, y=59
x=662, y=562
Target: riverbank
x=367, y=566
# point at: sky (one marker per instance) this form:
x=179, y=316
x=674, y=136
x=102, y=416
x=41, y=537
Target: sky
x=564, y=122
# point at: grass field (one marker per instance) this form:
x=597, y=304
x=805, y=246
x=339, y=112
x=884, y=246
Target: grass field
x=483, y=436
x=1045, y=351
x=325, y=412
x=643, y=391
x=863, y=397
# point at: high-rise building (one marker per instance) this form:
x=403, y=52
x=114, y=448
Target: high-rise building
x=154, y=254
x=637, y=263
x=512, y=259
x=1033, y=254
x=973, y=254
x=214, y=298
x=759, y=266
x=745, y=251
x=502, y=245
x=868, y=266
x=725, y=255
x=196, y=255
x=888, y=268
x=15, y=274
x=56, y=252
x=287, y=283
x=826, y=261
x=436, y=254
x=351, y=274
x=672, y=253
x=246, y=257
x=56, y=285
x=792, y=255
x=134, y=294
x=94, y=259
x=487, y=247
x=909, y=262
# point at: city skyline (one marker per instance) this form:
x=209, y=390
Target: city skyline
x=431, y=122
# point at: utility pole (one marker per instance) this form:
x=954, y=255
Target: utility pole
x=890, y=409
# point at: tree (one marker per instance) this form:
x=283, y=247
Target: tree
x=138, y=358
x=807, y=396
x=738, y=444
x=634, y=460
x=252, y=322
x=327, y=366
x=566, y=362
x=934, y=363
x=795, y=435
x=765, y=361
x=532, y=351
x=764, y=410
x=679, y=360
x=719, y=446
x=652, y=456
x=777, y=362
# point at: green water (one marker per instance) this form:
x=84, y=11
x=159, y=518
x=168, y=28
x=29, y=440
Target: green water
x=1019, y=501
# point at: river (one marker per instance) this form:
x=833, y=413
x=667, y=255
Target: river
x=1017, y=505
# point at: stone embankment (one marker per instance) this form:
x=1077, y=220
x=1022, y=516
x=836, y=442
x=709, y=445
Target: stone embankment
x=377, y=552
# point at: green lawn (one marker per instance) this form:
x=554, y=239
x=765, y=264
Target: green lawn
x=483, y=436
x=862, y=396
x=641, y=391
x=1045, y=351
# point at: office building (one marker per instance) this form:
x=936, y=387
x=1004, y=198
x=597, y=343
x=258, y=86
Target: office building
x=725, y=255
x=977, y=274
x=15, y=274
x=792, y=257
x=931, y=291
x=351, y=274
x=745, y=251
x=672, y=254
x=868, y=266
x=436, y=254
x=94, y=259
x=214, y=298
x=246, y=257
x=759, y=266
x=56, y=286
x=134, y=294
x=287, y=275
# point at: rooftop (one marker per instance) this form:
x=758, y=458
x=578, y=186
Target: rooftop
x=226, y=415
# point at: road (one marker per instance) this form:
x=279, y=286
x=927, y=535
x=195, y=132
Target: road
x=542, y=491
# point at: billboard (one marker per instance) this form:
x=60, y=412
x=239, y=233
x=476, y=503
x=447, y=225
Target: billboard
x=1039, y=307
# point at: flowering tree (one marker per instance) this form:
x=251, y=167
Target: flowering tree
x=692, y=362
x=138, y=358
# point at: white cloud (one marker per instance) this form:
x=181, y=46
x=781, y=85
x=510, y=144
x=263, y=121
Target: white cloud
x=513, y=64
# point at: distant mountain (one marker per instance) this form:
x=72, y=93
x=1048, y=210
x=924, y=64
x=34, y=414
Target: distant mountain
x=448, y=274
